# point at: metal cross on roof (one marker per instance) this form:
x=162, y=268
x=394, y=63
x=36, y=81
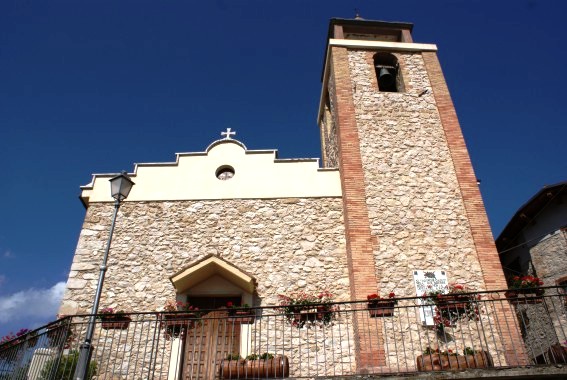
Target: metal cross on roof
x=227, y=134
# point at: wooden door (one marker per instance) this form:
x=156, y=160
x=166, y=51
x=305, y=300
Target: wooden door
x=208, y=343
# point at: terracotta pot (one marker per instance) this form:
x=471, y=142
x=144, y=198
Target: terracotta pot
x=456, y=302
x=441, y=362
x=180, y=319
x=523, y=296
x=233, y=369
x=278, y=366
x=115, y=322
x=307, y=316
x=175, y=323
x=245, y=317
x=379, y=309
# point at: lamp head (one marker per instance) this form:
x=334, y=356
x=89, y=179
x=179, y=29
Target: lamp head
x=120, y=186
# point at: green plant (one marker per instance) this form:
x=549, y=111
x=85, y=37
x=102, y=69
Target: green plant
x=321, y=306
x=264, y=356
x=430, y=351
x=64, y=368
x=453, y=303
x=233, y=357
x=470, y=351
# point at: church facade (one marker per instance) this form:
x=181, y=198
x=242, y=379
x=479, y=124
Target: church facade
x=395, y=193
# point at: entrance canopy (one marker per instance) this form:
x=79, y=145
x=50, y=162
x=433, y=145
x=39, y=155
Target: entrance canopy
x=210, y=266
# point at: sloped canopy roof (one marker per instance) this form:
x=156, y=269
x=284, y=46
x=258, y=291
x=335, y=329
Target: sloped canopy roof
x=209, y=266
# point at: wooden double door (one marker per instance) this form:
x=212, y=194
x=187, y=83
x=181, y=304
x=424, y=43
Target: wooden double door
x=210, y=341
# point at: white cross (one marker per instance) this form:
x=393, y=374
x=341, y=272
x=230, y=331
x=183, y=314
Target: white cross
x=227, y=134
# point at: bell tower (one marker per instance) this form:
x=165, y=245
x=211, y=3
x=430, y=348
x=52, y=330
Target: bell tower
x=410, y=196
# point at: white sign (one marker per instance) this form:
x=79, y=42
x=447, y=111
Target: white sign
x=426, y=282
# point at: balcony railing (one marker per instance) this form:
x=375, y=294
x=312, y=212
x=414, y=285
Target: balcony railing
x=484, y=330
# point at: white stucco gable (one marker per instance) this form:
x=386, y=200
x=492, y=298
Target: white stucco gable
x=257, y=174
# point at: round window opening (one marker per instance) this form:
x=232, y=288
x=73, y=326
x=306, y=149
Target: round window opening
x=225, y=172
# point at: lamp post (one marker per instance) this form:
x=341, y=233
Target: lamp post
x=120, y=187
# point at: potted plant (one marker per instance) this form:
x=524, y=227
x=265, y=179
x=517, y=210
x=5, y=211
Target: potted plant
x=452, y=304
x=437, y=360
x=301, y=308
x=241, y=314
x=525, y=289
x=381, y=307
x=255, y=366
x=114, y=319
x=267, y=365
x=233, y=367
x=179, y=315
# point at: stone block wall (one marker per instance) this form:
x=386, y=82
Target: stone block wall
x=414, y=202
x=286, y=244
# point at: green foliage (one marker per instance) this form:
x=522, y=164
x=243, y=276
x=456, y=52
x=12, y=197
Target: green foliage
x=66, y=368
x=233, y=357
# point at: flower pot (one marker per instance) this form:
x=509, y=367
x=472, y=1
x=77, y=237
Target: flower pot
x=444, y=362
x=175, y=323
x=278, y=366
x=480, y=359
x=233, y=369
x=115, y=322
x=319, y=313
x=524, y=296
x=452, y=302
x=245, y=317
x=379, y=309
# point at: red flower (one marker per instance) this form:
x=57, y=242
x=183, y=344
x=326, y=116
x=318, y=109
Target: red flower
x=229, y=304
x=391, y=295
x=372, y=296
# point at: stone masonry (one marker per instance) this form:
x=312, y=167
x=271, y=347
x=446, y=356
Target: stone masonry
x=286, y=244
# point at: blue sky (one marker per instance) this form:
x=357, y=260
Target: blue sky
x=96, y=86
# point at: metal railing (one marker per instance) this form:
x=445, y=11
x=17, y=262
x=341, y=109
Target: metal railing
x=478, y=330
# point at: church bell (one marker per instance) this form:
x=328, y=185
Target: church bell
x=385, y=78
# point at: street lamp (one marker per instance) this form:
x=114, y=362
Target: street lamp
x=120, y=187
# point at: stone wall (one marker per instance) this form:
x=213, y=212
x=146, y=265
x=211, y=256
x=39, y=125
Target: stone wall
x=549, y=256
x=286, y=244
x=415, y=205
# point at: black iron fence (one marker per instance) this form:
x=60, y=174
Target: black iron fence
x=487, y=330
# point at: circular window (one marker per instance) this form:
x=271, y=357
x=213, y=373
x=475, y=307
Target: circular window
x=225, y=172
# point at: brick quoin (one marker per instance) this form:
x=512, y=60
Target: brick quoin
x=360, y=242
x=486, y=252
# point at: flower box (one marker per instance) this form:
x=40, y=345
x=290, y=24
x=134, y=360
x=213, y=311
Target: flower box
x=173, y=324
x=276, y=367
x=245, y=317
x=379, y=309
x=310, y=315
x=233, y=369
x=179, y=320
x=115, y=322
x=451, y=362
x=457, y=302
x=524, y=296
